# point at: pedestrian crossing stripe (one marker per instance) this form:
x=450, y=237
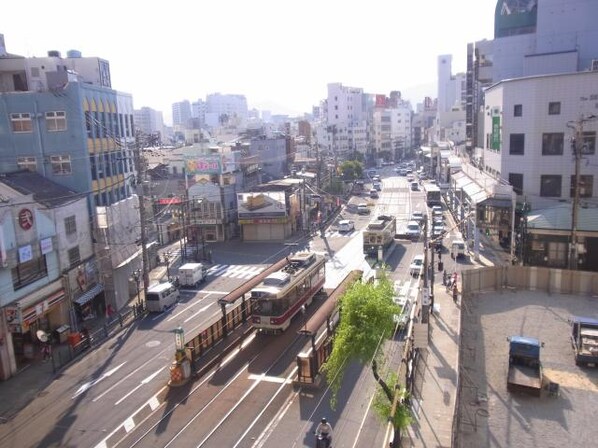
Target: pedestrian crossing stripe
x=234, y=271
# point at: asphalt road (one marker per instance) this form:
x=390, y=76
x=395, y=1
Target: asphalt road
x=101, y=391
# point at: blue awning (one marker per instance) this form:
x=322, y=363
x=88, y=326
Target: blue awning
x=89, y=294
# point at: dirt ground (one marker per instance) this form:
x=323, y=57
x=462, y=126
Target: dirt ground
x=488, y=415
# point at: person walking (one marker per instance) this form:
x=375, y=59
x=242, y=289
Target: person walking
x=455, y=292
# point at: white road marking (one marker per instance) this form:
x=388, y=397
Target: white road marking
x=201, y=310
x=143, y=382
x=90, y=384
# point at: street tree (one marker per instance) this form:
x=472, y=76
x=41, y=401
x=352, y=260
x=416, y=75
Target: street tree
x=351, y=169
x=366, y=321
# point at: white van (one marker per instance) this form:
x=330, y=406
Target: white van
x=458, y=249
x=161, y=296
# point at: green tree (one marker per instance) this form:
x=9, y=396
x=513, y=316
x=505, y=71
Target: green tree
x=351, y=169
x=367, y=313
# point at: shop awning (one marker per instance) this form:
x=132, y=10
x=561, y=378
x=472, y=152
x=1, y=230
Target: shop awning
x=89, y=294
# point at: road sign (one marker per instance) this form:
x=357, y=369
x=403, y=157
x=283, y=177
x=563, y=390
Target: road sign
x=426, y=297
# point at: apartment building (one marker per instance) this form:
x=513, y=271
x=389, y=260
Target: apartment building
x=64, y=121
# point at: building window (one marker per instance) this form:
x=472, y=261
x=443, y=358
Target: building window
x=516, y=181
x=56, y=121
x=70, y=225
x=586, y=186
x=28, y=272
x=21, y=122
x=27, y=163
x=61, y=165
x=589, y=143
x=74, y=256
x=518, y=110
x=552, y=144
x=557, y=253
x=550, y=186
x=516, y=144
x=554, y=108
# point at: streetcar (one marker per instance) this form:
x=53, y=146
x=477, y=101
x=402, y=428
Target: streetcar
x=282, y=294
x=379, y=233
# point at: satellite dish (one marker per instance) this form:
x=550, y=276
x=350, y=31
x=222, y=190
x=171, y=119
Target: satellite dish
x=42, y=336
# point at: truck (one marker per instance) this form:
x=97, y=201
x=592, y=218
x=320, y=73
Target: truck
x=192, y=274
x=584, y=339
x=525, y=368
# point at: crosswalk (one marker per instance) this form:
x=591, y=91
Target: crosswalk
x=337, y=234
x=234, y=271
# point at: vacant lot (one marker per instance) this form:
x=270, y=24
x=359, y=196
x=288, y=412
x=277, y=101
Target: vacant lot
x=488, y=415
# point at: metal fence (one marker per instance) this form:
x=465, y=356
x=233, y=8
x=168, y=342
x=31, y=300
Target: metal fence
x=64, y=354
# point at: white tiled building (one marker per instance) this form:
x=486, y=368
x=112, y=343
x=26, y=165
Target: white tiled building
x=528, y=135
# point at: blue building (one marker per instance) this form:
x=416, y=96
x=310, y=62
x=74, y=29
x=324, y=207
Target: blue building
x=60, y=117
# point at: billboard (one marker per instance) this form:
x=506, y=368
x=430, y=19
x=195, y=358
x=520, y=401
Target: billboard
x=381, y=101
x=212, y=164
x=271, y=204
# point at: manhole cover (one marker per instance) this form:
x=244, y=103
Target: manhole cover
x=152, y=344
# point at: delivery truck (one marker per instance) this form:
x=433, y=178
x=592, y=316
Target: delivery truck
x=525, y=369
x=191, y=275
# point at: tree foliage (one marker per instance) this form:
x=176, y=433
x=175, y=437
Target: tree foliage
x=383, y=406
x=366, y=320
x=351, y=169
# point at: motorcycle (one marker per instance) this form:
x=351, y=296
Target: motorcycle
x=323, y=440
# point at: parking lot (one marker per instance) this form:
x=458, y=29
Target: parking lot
x=488, y=415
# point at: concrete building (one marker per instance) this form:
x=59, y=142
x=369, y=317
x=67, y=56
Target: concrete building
x=528, y=123
x=79, y=133
x=181, y=114
x=346, y=120
x=48, y=275
x=233, y=107
x=149, y=121
x=530, y=38
x=450, y=113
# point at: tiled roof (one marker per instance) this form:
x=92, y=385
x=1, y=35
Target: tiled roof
x=44, y=190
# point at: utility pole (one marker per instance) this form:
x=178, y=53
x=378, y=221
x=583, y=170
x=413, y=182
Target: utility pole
x=140, y=166
x=426, y=267
x=577, y=144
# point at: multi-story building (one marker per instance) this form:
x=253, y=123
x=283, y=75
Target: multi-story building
x=346, y=120
x=530, y=123
x=77, y=131
x=230, y=108
x=450, y=112
x=149, y=121
x=181, y=114
x=48, y=275
x=530, y=38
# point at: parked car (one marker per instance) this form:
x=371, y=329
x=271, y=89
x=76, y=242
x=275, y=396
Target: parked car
x=416, y=266
x=346, y=225
x=458, y=249
x=374, y=193
x=414, y=186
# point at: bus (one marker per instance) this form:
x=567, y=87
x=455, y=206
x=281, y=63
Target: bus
x=433, y=195
x=282, y=294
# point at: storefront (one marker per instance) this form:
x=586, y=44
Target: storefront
x=45, y=310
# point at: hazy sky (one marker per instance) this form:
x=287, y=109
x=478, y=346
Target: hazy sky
x=279, y=54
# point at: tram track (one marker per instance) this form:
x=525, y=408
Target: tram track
x=256, y=377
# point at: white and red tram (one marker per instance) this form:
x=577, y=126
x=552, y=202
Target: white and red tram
x=281, y=294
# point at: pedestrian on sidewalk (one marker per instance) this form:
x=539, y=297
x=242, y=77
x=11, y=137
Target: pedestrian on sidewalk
x=46, y=351
x=455, y=293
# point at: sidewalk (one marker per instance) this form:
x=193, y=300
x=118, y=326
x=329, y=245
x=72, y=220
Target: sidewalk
x=29, y=382
x=435, y=382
